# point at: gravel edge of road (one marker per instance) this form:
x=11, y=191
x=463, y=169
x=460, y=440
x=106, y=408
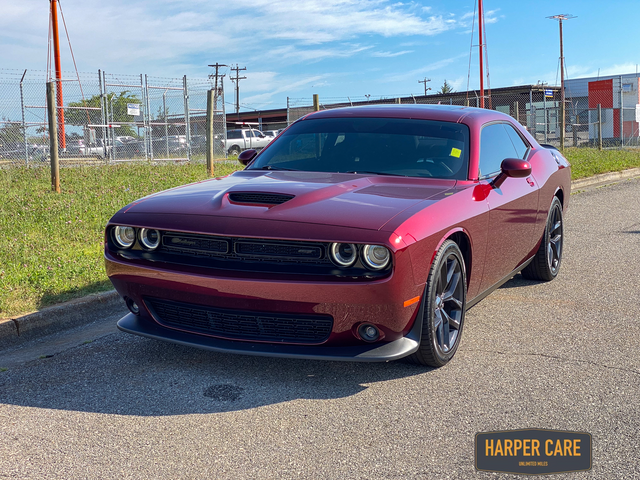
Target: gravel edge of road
x=16, y=330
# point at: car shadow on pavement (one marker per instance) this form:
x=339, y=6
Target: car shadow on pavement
x=128, y=375
x=519, y=281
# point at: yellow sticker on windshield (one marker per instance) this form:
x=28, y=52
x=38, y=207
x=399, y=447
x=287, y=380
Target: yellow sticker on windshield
x=455, y=152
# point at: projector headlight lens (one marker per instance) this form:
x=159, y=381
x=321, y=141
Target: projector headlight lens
x=124, y=236
x=344, y=254
x=150, y=239
x=376, y=257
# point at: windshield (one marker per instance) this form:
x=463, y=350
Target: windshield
x=385, y=146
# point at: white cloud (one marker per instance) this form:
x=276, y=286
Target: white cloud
x=423, y=70
x=390, y=54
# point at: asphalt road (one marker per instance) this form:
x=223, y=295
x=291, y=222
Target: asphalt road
x=559, y=355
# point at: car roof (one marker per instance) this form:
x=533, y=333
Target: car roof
x=448, y=113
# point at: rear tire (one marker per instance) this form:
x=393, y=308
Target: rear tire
x=546, y=264
x=444, y=305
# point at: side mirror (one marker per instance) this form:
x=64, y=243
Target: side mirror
x=514, y=168
x=245, y=157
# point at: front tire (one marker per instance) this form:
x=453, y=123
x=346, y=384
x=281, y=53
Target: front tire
x=234, y=151
x=444, y=305
x=546, y=264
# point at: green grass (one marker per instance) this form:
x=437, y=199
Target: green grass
x=51, y=245
x=586, y=162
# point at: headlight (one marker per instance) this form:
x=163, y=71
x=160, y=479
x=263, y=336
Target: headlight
x=376, y=257
x=124, y=236
x=344, y=254
x=150, y=239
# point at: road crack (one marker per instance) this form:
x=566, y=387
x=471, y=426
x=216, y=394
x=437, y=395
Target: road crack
x=555, y=357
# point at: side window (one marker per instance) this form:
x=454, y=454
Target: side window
x=519, y=144
x=495, y=146
x=248, y=133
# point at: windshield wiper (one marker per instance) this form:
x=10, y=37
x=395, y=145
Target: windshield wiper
x=364, y=172
x=271, y=167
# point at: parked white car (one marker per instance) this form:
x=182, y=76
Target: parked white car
x=239, y=140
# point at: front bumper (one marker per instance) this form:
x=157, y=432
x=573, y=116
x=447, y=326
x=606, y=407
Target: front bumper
x=379, y=352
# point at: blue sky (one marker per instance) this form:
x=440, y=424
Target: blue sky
x=336, y=48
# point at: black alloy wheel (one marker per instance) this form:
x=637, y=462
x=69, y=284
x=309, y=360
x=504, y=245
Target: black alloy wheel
x=444, y=305
x=234, y=151
x=546, y=264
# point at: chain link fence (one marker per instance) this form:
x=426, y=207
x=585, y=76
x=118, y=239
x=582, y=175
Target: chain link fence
x=106, y=117
x=536, y=107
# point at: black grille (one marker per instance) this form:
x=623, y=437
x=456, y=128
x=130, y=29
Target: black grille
x=259, y=198
x=278, y=250
x=242, y=325
x=194, y=244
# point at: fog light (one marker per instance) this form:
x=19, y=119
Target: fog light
x=368, y=332
x=132, y=306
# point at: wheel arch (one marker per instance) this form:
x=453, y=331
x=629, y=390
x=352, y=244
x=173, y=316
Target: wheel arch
x=560, y=194
x=462, y=238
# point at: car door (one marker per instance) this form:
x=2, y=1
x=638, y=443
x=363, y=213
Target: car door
x=513, y=206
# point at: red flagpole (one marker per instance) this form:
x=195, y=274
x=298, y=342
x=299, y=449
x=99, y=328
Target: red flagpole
x=56, y=54
x=480, y=25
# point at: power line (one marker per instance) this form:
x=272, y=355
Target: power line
x=237, y=80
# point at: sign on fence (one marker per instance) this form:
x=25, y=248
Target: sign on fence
x=133, y=109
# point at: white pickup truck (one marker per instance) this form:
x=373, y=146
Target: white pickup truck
x=239, y=140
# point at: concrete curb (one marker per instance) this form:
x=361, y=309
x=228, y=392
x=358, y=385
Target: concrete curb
x=14, y=331
x=604, y=179
x=73, y=313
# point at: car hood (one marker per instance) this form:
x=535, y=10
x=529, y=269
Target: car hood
x=349, y=200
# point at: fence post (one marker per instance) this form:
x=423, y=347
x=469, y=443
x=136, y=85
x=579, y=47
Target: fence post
x=544, y=107
x=186, y=116
x=599, y=126
x=532, y=119
x=621, y=116
x=288, y=121
x=145, y=89
x=103, y=116
x=399, y=100
x=516, y=107
x=574, y=131
x=24, y=125
x=210, y=140
x=53, y=137
x=562, y=125
x=316, y=102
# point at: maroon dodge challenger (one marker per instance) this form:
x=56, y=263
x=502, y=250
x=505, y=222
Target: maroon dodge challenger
x=359, y=233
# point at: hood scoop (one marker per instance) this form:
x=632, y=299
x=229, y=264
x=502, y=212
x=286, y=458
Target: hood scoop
x=259, y=198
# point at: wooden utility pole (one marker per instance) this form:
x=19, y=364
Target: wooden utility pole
x=425, y=85
x=53, y=137
x=217, y=75
x=56, y=56
x=560, y=18
x=237, y=80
